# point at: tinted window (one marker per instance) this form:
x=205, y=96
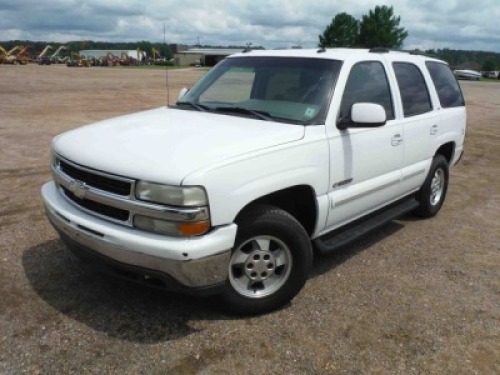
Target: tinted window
x=446, y=85
x=414, y=93
x=233, y=86
x=367, y=83
x=285, y=89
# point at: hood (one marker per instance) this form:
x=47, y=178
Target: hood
x=165, y=145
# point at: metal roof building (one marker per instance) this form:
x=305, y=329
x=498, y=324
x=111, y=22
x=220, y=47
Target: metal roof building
x=203, y=56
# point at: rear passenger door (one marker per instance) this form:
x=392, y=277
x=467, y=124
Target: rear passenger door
x=420, y=123
x=365, y=163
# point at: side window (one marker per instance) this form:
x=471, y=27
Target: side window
x=414, y=94
x=367, y=83
x=446, y=85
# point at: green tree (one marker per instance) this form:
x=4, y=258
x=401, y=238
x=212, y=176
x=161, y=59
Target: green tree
x=380, y=28
x=488, y=66
x=341, y=32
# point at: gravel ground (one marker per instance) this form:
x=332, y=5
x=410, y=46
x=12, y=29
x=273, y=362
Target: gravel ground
x=417, y=297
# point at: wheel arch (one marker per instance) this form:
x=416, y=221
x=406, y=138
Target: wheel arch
x=447, y=150
x=299, y=201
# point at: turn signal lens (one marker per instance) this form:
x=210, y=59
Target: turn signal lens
x=194, y=229
x=171, y=228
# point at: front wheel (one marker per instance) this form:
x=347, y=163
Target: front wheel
x=270, y=262
x=433, y=191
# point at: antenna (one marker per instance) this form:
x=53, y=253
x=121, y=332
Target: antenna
x=166, y=67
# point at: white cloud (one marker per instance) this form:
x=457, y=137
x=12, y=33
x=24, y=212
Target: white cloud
x=271, y=23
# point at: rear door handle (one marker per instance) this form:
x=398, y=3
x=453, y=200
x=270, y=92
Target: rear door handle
x=396, y=140
x=434, y=129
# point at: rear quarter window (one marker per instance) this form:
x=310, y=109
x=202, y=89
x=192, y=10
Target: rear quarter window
x=414, y=94
x=446, y=84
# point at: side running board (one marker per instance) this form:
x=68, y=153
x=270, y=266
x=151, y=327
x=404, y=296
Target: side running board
x=343, y=236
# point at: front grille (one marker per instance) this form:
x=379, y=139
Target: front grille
x=98, y=181
x=99, y=208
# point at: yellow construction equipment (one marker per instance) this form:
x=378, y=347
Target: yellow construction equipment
x=54, y=57
x=22, y=57
x=155, y=53
x=44, y=52
x=77, y=60
x=14, y=50
x=3, y=55
x=10, y=58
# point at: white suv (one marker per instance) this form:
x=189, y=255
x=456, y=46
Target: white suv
x=270, y=155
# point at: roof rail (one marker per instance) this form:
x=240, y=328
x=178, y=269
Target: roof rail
x=379, y=50
x=321, y=50
x=415, y=52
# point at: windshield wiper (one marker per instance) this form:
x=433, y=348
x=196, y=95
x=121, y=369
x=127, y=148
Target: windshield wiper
x=199, y=107
x=260, y=114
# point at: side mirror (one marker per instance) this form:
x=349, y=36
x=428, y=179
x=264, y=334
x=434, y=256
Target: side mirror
x=364, y=115
x=368, y=115
x=183, y=92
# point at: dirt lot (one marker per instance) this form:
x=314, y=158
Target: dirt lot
x=419, y=296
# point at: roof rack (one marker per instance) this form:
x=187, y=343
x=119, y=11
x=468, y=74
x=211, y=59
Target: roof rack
x=379, y=50
x=415, y=52
x=321, y=50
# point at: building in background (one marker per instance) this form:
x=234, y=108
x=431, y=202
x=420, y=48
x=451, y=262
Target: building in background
x=202, y=56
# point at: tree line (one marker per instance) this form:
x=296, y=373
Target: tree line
x=487, y=60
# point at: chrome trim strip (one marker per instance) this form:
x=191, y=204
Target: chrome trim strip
x=95, y=171
x=414, y=174
x=365, y=193
x=134, y=206
x=128, y=223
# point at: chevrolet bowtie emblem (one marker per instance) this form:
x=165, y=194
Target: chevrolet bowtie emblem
x=78, y=188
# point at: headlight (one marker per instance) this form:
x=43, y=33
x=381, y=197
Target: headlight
x=171, y=195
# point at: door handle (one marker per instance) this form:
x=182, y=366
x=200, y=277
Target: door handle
x=434, y=129
x=396, y=140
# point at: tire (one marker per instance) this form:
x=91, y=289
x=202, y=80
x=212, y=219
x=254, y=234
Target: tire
x=433, y=192
x=269, y=264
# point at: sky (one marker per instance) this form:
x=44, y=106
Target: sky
x=455, y=24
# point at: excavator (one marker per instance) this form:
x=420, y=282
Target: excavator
x=11, y=58
x=40, y=58
x=155, y=53
x=44, y=52
x=22, y=57
x=54, y=57
x=3, y=55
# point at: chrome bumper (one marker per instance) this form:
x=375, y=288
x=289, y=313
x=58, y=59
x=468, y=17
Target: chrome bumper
x=193, y=262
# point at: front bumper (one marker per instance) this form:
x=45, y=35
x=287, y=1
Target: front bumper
x=195, y=262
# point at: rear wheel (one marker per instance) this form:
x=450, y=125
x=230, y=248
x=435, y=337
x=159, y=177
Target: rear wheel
x=270, y=262
x=433, y=191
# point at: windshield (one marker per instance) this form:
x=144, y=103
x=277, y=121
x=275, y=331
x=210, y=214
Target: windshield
x=293, y=90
